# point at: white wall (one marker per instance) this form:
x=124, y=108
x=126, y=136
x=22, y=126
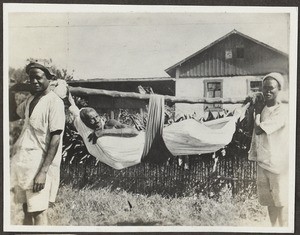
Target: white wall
x=233, y=87
x=189, y=87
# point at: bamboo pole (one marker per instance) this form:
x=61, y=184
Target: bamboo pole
x=172, y=99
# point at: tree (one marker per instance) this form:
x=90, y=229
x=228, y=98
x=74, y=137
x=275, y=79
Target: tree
x=19, y=75
x=62, y=74
x=59, y=73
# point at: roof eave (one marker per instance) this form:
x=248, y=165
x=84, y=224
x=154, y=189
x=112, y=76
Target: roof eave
x=168, y=70
x=198, y=52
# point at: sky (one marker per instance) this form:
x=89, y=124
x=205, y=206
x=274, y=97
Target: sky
x=130, y=44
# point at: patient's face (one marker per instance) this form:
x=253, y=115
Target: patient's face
x=94, y=119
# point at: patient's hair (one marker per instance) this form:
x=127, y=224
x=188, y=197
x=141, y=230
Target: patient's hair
x=85, y=117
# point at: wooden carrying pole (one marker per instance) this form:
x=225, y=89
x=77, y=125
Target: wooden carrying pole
x=173, y=99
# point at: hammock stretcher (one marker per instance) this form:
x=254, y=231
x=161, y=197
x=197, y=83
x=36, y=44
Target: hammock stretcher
x=157, y=144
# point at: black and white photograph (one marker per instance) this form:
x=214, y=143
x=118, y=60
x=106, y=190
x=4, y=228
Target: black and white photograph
x=131, y=118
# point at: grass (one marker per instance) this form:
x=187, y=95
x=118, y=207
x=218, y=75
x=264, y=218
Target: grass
x=98, y=207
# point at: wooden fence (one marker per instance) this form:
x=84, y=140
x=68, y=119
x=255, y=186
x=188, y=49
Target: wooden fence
x=204, y=175
x=233, y=171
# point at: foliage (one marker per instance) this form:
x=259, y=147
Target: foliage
x=77, y=159
x=62, y=74
x=74, y=149
x=75, y=152
x=208, y=174
x=94, y=204
x=19, y=75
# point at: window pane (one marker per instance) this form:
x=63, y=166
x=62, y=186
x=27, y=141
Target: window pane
x=240, y=52
x=218, y=94
x=228, y=54
x=255, y=86
x=214, y=90
x=210, y=94
x=211, y=86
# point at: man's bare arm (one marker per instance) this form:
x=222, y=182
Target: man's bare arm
x=112, y=123
x=258, y=129
x=13, y=116
x=123, y=132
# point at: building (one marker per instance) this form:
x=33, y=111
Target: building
x=110, y=105
x=230, y=67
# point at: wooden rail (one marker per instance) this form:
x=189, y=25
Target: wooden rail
x=172, y=99
x=119, y=94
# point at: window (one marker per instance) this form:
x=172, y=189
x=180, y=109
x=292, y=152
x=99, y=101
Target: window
x=213, y=89
x=255, y=86
x=240, y=53
x=228, y=54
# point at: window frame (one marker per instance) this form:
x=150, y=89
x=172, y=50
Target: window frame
x=210, y=107
x=227, y=53
x=249, y=85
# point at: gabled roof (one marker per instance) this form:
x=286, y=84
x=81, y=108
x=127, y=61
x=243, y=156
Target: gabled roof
x=168, y=70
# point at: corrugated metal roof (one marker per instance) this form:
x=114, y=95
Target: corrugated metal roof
x=170, y=69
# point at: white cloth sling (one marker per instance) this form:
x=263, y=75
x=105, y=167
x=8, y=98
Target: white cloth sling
x=187, y=137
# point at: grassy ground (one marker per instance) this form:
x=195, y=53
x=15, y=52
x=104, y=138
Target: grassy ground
x=90, y=207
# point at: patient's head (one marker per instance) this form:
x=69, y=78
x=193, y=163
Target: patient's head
x=90, y=118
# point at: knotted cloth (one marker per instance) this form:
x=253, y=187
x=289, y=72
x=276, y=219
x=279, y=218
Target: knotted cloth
x=155, y=149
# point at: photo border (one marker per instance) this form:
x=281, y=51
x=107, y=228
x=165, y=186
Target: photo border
x=8, y=8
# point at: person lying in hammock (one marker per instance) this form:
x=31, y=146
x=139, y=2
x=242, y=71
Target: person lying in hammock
x=112, y=127
x=106, y=142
